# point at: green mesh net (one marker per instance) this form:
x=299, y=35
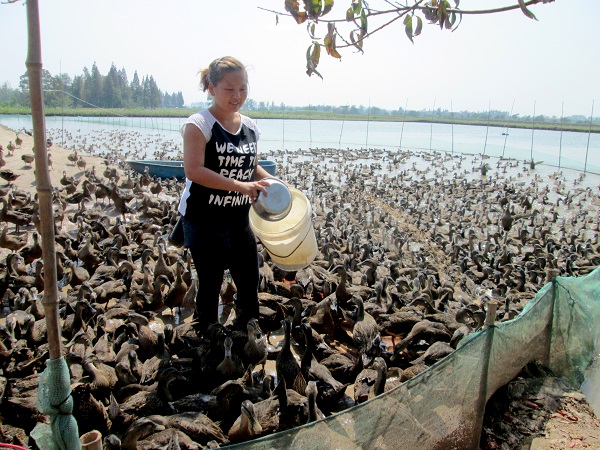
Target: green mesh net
x=443, y=407
x=54, y=399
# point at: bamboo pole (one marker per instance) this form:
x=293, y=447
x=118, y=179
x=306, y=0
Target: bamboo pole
x=42, y=178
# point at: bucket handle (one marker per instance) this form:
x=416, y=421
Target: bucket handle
x=295, y=248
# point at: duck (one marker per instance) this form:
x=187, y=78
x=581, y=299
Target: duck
x=365, y=333
x=14, y=217
x=75, y=275
x=177, y=291
x=314, y=413
x=399, y=323
x=330, y=388
x=8, y=175
x=255, y=350
x=103, y=377
x=320, y=316
x=199, y=427
x=247, y=426
x=424, y=330
x=12, y=242
x=140, y=427
x=161, y=359
x=28, y=158
x=157, y=302
x=32, y=252
x=286, y=365
x=231, y=366
x=89, y=411
x=370, y=382
x=155, y=399
x=435, y=352
x=10, y=147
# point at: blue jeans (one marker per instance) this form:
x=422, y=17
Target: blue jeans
x=215, y=249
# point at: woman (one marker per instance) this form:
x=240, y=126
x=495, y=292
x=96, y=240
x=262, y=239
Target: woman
x=222, y=181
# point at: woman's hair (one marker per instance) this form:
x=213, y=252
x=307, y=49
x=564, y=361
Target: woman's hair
x=218, y=69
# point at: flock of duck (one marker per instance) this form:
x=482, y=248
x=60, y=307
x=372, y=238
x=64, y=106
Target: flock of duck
x=412, y=248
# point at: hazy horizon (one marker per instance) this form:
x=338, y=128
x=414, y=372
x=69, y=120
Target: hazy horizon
x=490, y=62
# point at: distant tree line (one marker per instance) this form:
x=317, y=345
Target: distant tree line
x=92, y=89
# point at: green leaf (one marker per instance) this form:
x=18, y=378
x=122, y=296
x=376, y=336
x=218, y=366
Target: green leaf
x=349, y=14
x=452, y=19
x=408, y=29
x=355, y=38
x=442, y=13
x=526, y=11
x=311, y=27
x=313, y=53
x=419, y=26
x=328, y=6
x=363, y=21
x=313, y=8
x=357, y=6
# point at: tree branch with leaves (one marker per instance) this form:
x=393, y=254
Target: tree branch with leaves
x=360, y=16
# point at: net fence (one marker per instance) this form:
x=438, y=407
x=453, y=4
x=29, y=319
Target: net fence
x=443, y=407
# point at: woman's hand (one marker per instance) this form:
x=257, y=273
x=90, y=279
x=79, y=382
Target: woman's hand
x=253, y=188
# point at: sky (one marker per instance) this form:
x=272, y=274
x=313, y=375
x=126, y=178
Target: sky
x=503, y=61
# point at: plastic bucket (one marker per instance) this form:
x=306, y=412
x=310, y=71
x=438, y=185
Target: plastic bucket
x=291, y=241
x=269, y=165
x=92, y=440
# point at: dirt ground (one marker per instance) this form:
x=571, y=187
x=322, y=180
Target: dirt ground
x=541, y=412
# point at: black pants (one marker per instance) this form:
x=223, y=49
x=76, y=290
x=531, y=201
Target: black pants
x=215, y=249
